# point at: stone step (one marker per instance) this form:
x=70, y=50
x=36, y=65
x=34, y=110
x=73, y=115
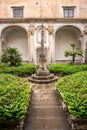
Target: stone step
x=49, y=112
x=59, y=123
x=46, y=106
x=44, y=91
x=48, y=129
x=34, y=76
x=45, y=81
x=42, y=87
x=45, y=98
x=45, y=102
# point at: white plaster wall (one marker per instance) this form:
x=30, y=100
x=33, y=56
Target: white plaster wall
x=17, y=38
x=64, y=38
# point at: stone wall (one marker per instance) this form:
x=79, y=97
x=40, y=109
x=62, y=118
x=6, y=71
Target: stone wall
x=43, y=8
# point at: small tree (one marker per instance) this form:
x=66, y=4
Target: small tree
x=73, y=52
x=11, y=56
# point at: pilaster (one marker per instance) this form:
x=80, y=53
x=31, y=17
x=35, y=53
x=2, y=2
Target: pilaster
x=31, y=43
x=51, y=44
x=84, y=46
x=0, y=46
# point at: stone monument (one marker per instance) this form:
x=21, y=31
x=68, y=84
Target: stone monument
x=42, y=75
x=42, y=70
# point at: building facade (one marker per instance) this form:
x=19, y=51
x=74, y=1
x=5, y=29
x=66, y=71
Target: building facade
x=64, y=21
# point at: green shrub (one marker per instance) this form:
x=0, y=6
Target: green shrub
x=66, y=69
x=14, y=97
x=24, y=69
x=11, y=56
x=74, y=93
x=73, y=52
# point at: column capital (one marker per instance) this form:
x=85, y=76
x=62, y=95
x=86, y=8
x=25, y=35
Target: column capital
x=31, y=30
x=85, y=32
x=82, y=35
x=50, y=30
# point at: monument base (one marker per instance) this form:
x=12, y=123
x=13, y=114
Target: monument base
x=45, y=79
x=41, y=72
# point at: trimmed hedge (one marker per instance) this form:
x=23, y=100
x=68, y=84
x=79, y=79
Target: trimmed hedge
x=74, y=93
x=14, y=97
x=24, y=69
x=66, y=69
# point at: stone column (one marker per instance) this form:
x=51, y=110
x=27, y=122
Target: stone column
x=0, y=46
x=31, y=44
x=28, y=47
x=51, y=44
x=84, y=47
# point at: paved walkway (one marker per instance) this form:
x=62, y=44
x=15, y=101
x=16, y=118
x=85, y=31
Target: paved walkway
x=45, y=111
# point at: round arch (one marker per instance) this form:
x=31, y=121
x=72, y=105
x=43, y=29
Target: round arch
x=13, y=25
x=74, y=26
x=15, y=36
x=64, y=36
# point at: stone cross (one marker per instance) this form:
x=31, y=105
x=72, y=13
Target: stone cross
x=42, y=39
x=42, y=70
x=42, y=56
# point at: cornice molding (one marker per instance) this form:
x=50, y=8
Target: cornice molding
x=27, y=20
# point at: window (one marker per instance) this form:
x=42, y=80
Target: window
x=17, y=12
x=68, y=12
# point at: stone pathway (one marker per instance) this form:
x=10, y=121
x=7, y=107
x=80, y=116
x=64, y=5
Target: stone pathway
x=45, y=111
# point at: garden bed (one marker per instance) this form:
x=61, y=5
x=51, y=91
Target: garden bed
x=15, y=95
x=66, y=69
x=22, y=70
x=73, y=96
x=76, y=123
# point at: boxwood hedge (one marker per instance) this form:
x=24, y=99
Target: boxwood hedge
x=74, y=93
x=24, y=69
x=66, y=69
x=14, y=97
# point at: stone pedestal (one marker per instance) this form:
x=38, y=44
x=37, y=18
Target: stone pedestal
x=42, y=71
